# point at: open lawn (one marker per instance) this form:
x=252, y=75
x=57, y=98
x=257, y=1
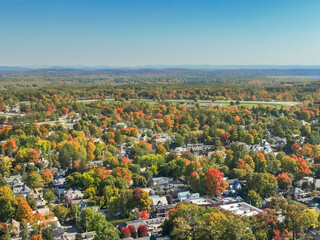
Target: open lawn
x=226, y=103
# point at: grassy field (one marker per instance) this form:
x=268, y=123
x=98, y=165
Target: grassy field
x=254, y=104
x=206, y=102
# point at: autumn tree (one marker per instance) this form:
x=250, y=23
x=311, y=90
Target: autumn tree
x=284, y=181
x=5, y=165
x=260, y=162
x=23, y=210
x=27, y=155
x=122, y=173
x=142, y=231
x=144, y=214
x=47, y=176
x=214, y=181
x=264, y=184
x=298, y=217
x=125, y=232
x=160, y=149
x=141, y=199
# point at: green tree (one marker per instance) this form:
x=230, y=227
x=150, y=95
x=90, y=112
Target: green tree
x=139, y=181
x=248, y=139
x=86, y=218
x=298, y=218
x=161, y=150
x=106, y=232
x=31, y=201
x=7, y=206
x=254, y=199
x=73, y=213
x=25, y=231
x=60, y=212
x=33, y=180
x=49, y=196
x=47, y=233
x=264, y=184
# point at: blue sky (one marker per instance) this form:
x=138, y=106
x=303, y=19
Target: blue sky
x=150, y=32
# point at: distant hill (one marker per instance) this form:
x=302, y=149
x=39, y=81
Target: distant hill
x=19, y=77
x=174, y=72
x=9, y=68
x=162, y=67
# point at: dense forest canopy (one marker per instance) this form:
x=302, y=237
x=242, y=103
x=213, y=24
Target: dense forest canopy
x=109, y=144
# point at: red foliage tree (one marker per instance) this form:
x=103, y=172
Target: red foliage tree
x=159, y=115
x=49, y=111
x=125, y=232
x=144, y=215
x=64, y=110
x=142, y=231
x=214, y=181
x=224, y=137
x=120, y=110
x=122, y=173
x=303, y=166
x=132, y=230
x=10, y=146
x=169, y=123
x=33, y=155
x=125, y=160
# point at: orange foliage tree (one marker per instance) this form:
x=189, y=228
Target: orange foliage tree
x=214, y=181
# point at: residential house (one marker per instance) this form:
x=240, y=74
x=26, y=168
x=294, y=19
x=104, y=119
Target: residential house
x=234, y=184
x=202, y=202
x=196, y=147
x=298, y=193
x=97, y=163
x=180, y=150
x=14, y=226
x=165, y=183
x=14, y=180
x=72, y=194
x=23, y=190
x=187, y=195
x=75, y=119
x=305, y=180
x=242, y=209
x=158, y=201
x=120, y=125
x=163, y=210
x=153, y=225
x=225, y=199
x=59, y=182
x=159, y=181
x=83, y=204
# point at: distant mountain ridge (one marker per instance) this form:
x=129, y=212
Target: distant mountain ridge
x=187, y=73
x=186, y=66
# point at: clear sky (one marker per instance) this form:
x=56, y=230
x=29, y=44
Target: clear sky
x=150, y=32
